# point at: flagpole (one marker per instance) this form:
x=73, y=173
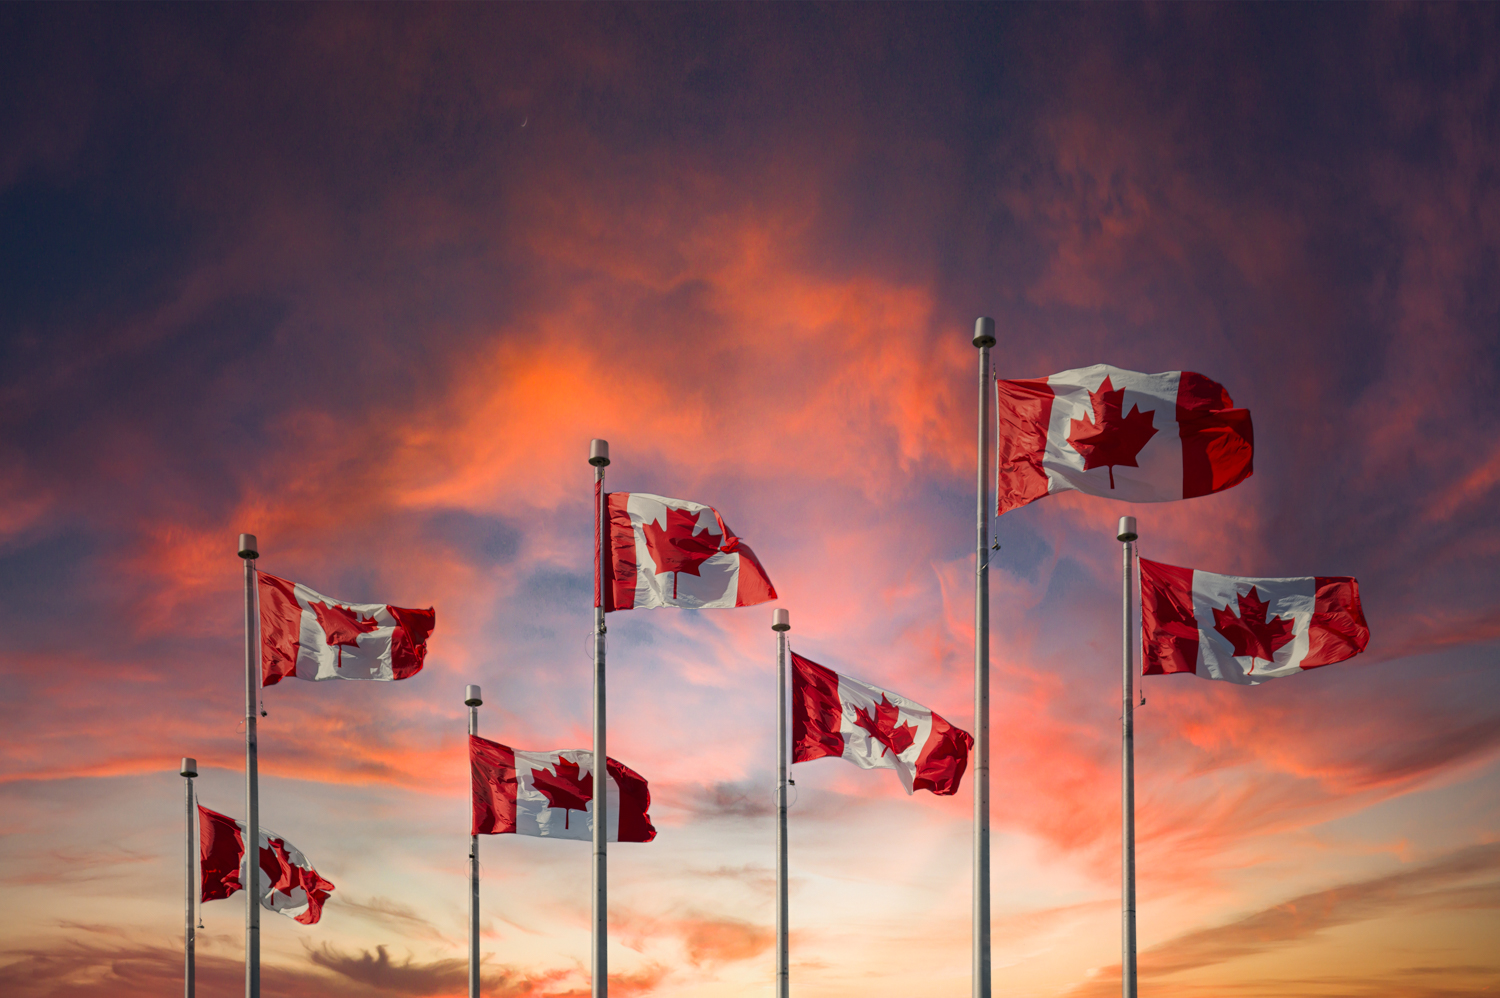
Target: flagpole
x=984, y=338
x=472, y=700
x=189, y=936
x=780, y=624
x=1127, y=535
x=599, y=458
x=249, y=551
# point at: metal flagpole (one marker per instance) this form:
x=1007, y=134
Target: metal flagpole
x=780, y=624
x=189, y=936
x=984, y=338
x=599, y=458
x=472, y=700
x=249, y=551
x=1127, y=534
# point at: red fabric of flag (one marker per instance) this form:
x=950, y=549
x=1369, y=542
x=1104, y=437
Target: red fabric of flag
x=288, y=883
x=221, y=847
x=551, y=794
x=1119, y=434
x=841, y=717
x=311, y=636
x=1246, y=630
x=671, y=552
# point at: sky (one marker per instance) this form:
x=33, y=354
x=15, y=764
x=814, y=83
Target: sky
x=365, y=280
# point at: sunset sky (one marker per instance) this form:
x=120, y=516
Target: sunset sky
x=365, y=280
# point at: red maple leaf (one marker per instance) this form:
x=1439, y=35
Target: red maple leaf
x=564, y=788
x=881, y=724
x=675, y=548
x=342, y=626
x=1251, y=633
x=1112, y=438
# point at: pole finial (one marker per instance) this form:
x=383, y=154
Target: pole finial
x=471, y=696
x=984, y=331
x=1126, y=532
x=779, y=621
x=248, y=547
x=189, y=767
x=599, y=453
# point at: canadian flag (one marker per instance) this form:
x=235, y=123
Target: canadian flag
x=552, y=794
x=311, y=636
x=834, y=715
x=1119, y=434
x=1246, y=630
x=671, y=552
x=288, y=883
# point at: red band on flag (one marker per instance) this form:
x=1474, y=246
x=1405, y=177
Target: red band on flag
x=1023, y=410
x=220, y=849
x=493, y=767
x=280, y=629
x=752, y=587
x=409, y=642
x=1338, y=628
x=817, y=711
x=944, y=759
x=1169, y=629
x=620, y=572
x=634, y=821
x=1218, y=440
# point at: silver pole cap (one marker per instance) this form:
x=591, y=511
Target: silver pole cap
x=1127, y=529
x=779, y=621
x=248, y=547
x=984, y=331
x=471, y=696
x=189, y=767
x=599, y=453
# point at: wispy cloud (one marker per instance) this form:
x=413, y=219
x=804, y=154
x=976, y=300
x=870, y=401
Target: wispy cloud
x=1465, y=881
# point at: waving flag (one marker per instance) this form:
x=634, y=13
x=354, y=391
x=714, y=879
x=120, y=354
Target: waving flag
x=1246, y=630
x=551, y=794
x=671, y=552
x=834, y=715
x=1119, y=434
x=311, y=636
x=289, y=884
